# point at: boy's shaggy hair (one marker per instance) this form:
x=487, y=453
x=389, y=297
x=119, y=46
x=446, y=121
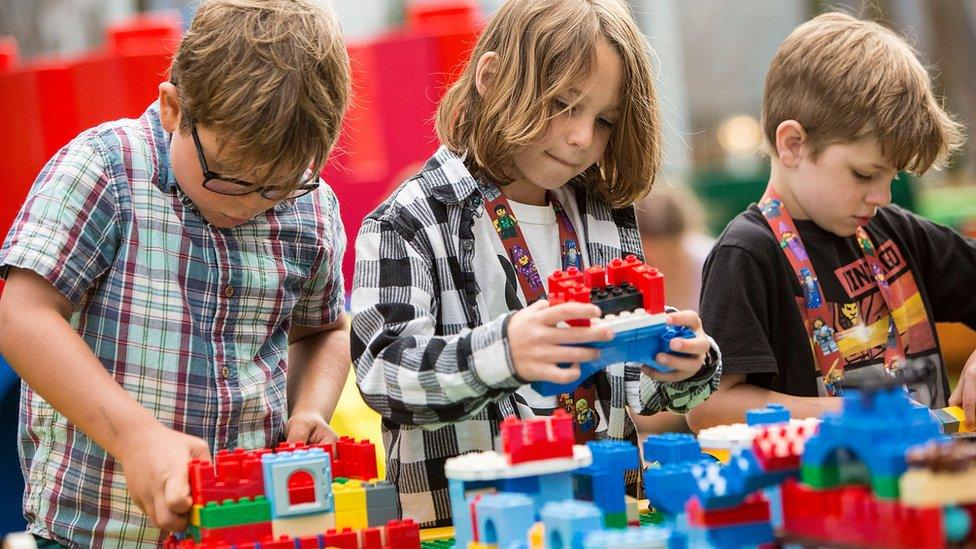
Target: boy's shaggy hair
x=843, y=78
x=270, y=78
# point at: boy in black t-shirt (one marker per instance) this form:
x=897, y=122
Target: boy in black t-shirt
x=799, y=290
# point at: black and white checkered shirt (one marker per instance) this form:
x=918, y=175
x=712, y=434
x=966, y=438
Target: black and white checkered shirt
x=430, y=357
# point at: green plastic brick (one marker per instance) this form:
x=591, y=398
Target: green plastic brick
x=615, y=520
x=820, y=477
x=885, y=487
x=234, y=513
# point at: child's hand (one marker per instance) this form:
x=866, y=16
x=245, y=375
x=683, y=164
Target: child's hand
x=697, y=348
x=965, y=392
x=309, y=427
x=155, y=463
x=538, y=346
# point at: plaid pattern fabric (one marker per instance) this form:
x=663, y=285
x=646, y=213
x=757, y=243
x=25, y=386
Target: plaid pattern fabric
x=429, y=360
x=190, y=319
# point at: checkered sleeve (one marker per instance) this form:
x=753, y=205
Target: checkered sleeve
x=651, y=396
x=405, y=372
x=67, y=230
x=322, y=300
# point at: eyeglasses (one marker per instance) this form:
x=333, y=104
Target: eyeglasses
x=214, y=182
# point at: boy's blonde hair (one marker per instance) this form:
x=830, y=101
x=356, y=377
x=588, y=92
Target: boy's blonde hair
x=270, y=78
x=544, y=48
x=843, y=78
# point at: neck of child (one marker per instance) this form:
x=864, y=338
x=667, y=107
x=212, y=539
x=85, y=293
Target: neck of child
x=780, y=182
x=524, y=192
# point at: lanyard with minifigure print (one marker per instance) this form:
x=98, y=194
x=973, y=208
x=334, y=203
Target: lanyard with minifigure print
x=816, y=316
x=580, y=403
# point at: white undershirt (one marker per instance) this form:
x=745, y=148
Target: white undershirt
x=541, y=232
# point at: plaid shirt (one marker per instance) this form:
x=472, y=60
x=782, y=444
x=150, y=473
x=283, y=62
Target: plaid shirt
x=430, y=359
x=190, y=319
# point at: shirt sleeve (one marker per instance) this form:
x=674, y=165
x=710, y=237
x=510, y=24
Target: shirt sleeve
x=948, y=263
x=648, y=396
x=68, y=229
x=734, y=310
x=323, y=297
x=404, y=371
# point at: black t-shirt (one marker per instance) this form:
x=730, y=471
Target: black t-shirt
x=750, y=298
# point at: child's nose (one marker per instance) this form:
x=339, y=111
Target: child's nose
x=580, y=133
x=880, y=196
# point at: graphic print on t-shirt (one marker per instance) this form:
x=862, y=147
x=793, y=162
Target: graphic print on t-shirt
x=862, y=325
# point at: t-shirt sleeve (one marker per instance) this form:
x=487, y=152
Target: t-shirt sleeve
x=735, y=310
x=948, y=263
x=323, y=295
x=67, y=230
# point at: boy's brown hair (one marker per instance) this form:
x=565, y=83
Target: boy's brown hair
x=270, y=78
x=544, y=47
x=843, y=78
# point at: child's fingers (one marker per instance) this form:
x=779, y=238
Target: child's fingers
x=567, y=354
x=560, y=374
x=679, y=363
x=568, y=311
x=685, y=318
x=969, y=402
x=298, y=431
x=692, y=346
x=576, y=334
x=174, y=506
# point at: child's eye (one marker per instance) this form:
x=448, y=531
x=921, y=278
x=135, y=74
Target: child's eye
x=862, y=176
x=561, y=106
x=605, y=123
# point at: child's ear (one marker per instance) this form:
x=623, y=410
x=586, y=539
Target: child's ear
x=790, y=139
x=486, y=71
x=169, y=107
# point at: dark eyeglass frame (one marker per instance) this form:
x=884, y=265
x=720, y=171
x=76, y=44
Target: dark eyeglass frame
x=247, y=187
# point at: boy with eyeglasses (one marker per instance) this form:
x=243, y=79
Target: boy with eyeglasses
x=167, y=272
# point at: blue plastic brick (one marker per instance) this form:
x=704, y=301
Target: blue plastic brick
x=636, y=345
x=669, y=486
x=278, y=468
x=568, y=522
x=611, y=460
x=630, y=538
x=458, y=490
x=732, y=537
x=504, y=519
x=877, y=427
x=772, y=413
x=671, y=448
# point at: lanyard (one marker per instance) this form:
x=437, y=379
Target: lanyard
x=507, y=228
x=816, y=316
x=580, y=404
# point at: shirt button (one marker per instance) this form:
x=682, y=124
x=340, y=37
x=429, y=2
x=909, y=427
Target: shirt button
x=468, y=245
x=224, y=372
x=228, y=291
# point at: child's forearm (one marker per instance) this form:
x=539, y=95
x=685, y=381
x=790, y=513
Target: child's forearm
x=318, y=365
x=734, y=397
x=55, y=361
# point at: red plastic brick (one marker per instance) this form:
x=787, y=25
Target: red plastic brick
x=754, y=509
x=346, y=539
x=402, y=534
x=780, y=447
x=240, y=533
x=372, y=538
x=238, y=474
x=538, y=438
x=595, y=276
x=852, y=515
